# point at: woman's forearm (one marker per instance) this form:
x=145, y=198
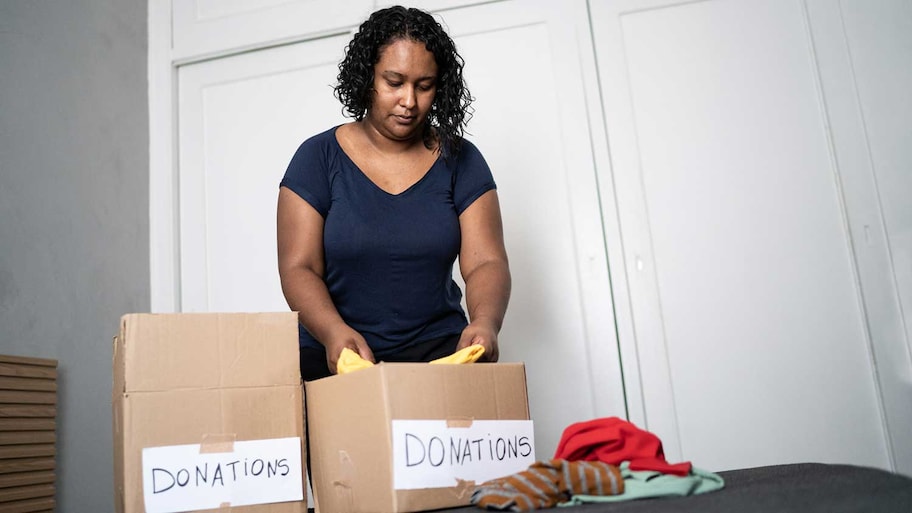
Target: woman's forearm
x=488, y=293
x=306, y=293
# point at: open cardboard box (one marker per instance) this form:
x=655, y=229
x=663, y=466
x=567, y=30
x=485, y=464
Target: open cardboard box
x=401, y=437
x=208, y=413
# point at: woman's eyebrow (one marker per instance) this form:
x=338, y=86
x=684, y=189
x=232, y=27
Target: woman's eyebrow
x=394, y=75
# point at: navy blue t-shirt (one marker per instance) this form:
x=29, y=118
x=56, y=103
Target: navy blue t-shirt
x=389, y=257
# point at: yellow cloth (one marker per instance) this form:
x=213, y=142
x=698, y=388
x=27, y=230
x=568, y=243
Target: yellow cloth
x=350, y=361
x=469, y=354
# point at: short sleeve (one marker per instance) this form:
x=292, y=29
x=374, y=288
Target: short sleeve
x=473, y=177
x=308, y=174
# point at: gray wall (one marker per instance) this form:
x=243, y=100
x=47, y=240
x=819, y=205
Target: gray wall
x=74, y=210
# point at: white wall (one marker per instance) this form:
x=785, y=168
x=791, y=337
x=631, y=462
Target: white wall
x=74, y=205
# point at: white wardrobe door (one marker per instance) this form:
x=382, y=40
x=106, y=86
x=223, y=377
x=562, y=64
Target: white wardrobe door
x=750, y=329
x=867, y=76
x=529, y=64
x=240, y=120
x=879, y=35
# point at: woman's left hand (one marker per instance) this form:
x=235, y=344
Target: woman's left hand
x=482, y=334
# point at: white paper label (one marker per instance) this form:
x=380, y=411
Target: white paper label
x=180, y=478
x=430, y=454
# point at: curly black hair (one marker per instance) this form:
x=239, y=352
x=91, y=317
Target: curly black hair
x=451, y=109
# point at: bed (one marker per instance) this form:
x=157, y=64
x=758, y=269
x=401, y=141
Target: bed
x=803, y=487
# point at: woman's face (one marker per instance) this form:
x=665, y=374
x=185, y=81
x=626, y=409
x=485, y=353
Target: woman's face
x=405, y=81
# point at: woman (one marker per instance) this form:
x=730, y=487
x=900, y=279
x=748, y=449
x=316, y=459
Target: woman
x=372, y=214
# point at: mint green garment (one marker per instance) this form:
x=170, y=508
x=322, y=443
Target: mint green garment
x=647, y=484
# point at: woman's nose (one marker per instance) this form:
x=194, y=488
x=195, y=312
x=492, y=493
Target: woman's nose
x=408, y=99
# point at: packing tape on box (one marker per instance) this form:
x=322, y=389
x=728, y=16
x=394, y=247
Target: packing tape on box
x=346, y=471
x=464, y=488
x=343, y=485
x=212, y=443
x=457, y=422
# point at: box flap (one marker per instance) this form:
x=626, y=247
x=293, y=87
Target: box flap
x=205, y=350
x=349, y=434
x=454, y=392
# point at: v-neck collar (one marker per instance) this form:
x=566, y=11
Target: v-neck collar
x=361, y=172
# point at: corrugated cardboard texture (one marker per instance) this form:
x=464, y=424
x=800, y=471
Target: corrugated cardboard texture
x=349, y=418
x=208, y=379
x=205, y=350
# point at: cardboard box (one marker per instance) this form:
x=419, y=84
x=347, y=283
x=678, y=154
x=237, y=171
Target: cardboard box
x=378, y=433
x=208, y=407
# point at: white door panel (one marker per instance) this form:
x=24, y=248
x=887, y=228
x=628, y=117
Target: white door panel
x=749, y=323
x=530, y=123
x=863, y=50
x=241, y=119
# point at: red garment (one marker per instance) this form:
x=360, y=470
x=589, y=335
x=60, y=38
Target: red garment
x=612, y=440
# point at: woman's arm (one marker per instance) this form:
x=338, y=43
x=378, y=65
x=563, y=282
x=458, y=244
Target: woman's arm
x=301, y=268
x=486, y=272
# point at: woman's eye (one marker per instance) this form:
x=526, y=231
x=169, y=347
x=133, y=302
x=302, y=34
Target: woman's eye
x=394, y=84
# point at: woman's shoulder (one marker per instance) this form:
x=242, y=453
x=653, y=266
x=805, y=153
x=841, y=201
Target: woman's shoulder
x=319, y=148
x=322, y=140
x=317, y=152
x=467, y=153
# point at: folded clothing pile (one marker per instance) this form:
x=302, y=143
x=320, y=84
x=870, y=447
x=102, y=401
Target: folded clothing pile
x=600, y=460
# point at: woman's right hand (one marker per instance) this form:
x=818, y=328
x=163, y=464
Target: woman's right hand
x=347, y=338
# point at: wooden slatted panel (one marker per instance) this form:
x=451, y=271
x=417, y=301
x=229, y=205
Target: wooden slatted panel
x=27, y=410
x=27, y=371
x=27, y=424
x=28, y=399
x=28, y=360
x=27, y=437
x=33, y=384
x=19, y=493
x=26, y=451
x=29, y=505
x=26, y=478
x=26, y=465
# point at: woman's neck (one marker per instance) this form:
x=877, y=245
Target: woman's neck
x=387, y=145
